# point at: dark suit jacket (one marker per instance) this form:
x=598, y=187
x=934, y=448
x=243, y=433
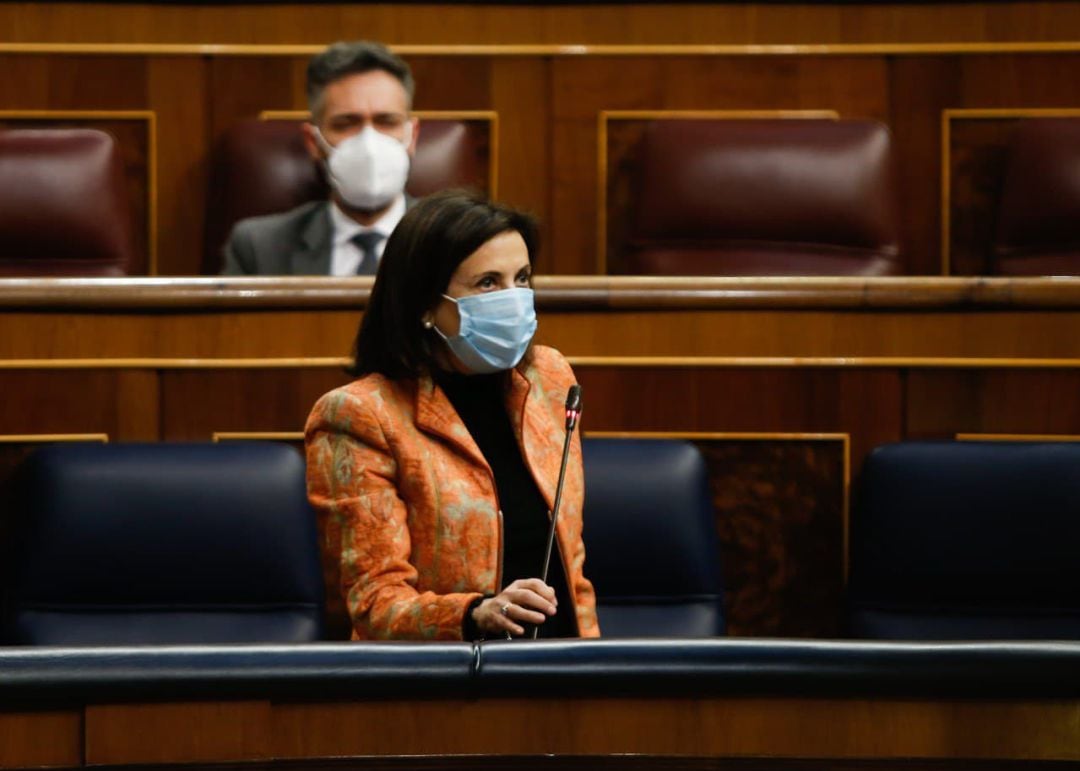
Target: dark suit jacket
x=296, y=243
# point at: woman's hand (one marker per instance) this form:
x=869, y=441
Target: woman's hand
x=525, y=601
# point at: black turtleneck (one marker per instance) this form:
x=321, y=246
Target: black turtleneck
x=480, y=402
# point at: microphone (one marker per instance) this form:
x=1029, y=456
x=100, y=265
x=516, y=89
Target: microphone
x=573, y=413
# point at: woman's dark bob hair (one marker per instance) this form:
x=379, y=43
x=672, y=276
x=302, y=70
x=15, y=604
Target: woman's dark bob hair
x=435, y=236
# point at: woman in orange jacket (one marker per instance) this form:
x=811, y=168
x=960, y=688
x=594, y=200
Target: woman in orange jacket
x=434, y=473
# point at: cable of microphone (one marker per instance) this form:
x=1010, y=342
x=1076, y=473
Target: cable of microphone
x=573, y=413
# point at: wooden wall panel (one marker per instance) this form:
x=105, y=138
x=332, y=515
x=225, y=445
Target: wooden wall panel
x=36, y=739
x=190, y=732
x=941, y=404
x=548, y=103
x=977, y=154
x=779, y=506
x=120, y=337
x=71, y=402
x=460, y=83
x=921, y=87
x=240, y=87
x=866, y=404
x=557, y=23
x=197, y=403
x=520, y=93
x=907, y=732
x=178, y=91
x=86, y=405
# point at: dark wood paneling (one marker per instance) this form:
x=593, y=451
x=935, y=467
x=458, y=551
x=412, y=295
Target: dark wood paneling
x=779, y=509
x=178, y=92
x=214, y=335
x=241, y=87
x=866, y=404
x=68, y=402
x=652, y=23
x=548, y=105
x=520, y=93
x=718, y=727
x=977, y=152
x=751, y=733
x=190, y=732
x=40, y=739
x=920, y=88
x=199, y=402
x=941, y=404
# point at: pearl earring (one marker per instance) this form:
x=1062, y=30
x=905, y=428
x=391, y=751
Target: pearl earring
x=428, y=323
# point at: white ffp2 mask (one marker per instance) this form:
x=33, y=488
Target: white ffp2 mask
x=368, y=169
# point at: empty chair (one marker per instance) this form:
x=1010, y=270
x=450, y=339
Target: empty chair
x=650, y=539
x=263, y=167
x=967, y=540
x=63, y=207
x=161, y=543
x=1038, y=224
x=763, y=197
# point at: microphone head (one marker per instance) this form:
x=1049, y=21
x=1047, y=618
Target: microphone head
x=573, y=398
x=573, y=407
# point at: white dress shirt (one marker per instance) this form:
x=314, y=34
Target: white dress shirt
x=346, y=256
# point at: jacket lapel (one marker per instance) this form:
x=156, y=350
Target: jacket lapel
x=436, y=415
x=538, y=434
x=312, y=254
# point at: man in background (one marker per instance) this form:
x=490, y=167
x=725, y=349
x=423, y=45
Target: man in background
x=363, y=134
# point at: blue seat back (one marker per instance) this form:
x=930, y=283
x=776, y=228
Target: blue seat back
x=650, y=538
x=162, y=543
x=967, y=540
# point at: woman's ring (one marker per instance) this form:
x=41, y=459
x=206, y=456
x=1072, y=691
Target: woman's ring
x=505, y=609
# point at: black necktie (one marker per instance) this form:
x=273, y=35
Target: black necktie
x=366, y=243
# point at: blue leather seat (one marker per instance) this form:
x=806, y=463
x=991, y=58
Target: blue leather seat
x=650, y=539
x=162, y=543
x=967, y=540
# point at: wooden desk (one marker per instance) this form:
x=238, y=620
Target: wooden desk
x=785, y=384
x=618, y=704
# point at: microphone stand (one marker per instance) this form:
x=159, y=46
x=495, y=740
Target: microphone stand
x=573, y=412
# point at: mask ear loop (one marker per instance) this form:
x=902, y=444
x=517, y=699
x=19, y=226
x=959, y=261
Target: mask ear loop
x=328, y=150
x=321, y=141
x=430, y=323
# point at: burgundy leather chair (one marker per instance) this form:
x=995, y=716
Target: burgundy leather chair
x=763, y=197
x=262, y=167
x=1038, y=228
x=63, y=207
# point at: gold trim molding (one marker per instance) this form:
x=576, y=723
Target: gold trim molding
x=971, y=437
x=555, y=50
x=52, y=438
x=668, y=362
x=256, y=436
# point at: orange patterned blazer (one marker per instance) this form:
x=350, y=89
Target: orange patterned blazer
x=409, y=520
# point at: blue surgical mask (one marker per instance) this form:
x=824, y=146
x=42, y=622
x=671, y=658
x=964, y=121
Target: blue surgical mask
x=496, y=329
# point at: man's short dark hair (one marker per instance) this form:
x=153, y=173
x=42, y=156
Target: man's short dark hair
x=435, y=236
x=342, y=59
